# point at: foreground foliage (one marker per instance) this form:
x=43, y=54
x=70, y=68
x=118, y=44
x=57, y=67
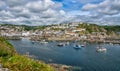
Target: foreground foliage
x=15, y=62
x=6, y=49
x=22, y=63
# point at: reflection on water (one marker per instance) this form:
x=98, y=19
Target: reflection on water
x=86, y=58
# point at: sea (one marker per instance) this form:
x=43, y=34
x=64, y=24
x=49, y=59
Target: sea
x=85, y=58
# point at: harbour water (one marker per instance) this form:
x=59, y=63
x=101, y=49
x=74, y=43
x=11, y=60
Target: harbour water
x=87, y=59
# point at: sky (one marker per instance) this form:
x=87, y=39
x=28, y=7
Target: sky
x=46, y=12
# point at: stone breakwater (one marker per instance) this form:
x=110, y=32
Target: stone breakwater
x=3, y=69
x=61, y=67
x=106, y=40
x=114, y=41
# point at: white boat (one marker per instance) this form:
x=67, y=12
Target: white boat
x=77, y=46
x=61, y=44
x=111, y=43
x=32, y=42
x=67, y=43
x=82, y=45
x=101, y=49
x=44, y=42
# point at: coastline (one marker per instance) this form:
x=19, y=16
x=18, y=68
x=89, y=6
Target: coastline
x=106, y=40
x=114, y=41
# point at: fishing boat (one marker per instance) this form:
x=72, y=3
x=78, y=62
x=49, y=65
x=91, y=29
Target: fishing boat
x=82, y=45
x=32, y=42
x=101, y=49
x=77, y=46
x=61, y=44
x=67, y=43
x=43, y=42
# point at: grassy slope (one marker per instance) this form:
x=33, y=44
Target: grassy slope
x=10, y=59
x=91, y=28
x=112, y=28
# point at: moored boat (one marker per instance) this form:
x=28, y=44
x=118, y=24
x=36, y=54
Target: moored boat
x=67, y=43
x=101, y=49
x=82, y=45
x=77, y=46
x=32, y=42
x=61, y=44
x=44, y=42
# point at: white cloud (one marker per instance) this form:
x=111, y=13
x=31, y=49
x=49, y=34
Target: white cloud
x=2, y=5
x=4, y=14
x=36, y=6
x=107, y=7
x=12, y=3
x=89, y=7
x=42, y=12
x=87, y=1
x=16, y=9
x=32, y=12
x=62, y=12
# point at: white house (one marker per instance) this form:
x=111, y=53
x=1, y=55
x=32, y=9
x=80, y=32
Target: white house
x=25, y=33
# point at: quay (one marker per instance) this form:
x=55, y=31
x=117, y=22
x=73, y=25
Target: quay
x=106, y=40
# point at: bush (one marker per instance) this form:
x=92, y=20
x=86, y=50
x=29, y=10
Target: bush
x=23, y=63
x=15, y=62
x=6, y=49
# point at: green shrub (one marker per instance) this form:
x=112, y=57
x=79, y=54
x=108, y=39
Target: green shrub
x=6, y=49
x=15, y=62
x=23, y=63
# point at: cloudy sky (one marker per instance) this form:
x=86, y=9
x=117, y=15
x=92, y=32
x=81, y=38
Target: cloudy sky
x=45, y=12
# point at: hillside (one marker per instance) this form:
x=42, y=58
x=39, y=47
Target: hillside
x=112, y=28
x=91, y=27
x=15, y=62
x=88, y=26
